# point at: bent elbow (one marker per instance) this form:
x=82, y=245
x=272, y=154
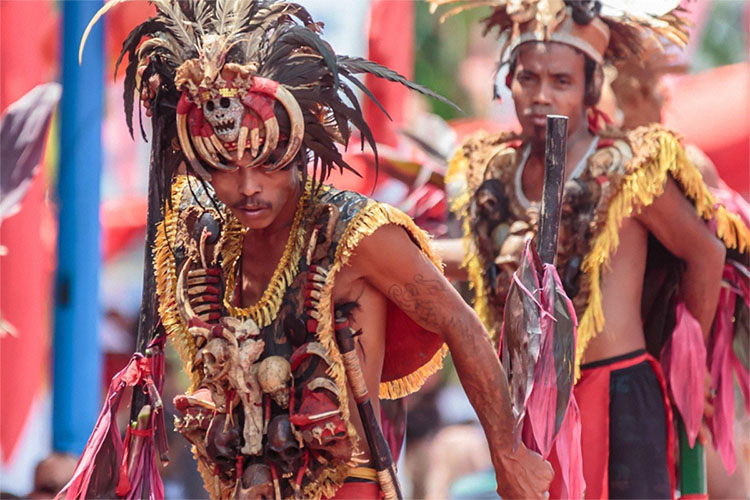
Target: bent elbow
x=718, y=253
x=712, y=256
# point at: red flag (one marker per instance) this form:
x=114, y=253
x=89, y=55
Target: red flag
x=27, y=58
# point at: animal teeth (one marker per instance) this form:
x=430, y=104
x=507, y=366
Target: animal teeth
x=287, y=475
x=225, y=125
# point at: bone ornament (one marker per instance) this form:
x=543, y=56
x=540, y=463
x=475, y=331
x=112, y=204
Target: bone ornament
x=283, y=448
x=275, y=377
x=245, y=375
x=222, y=443
x=256, y=483
x=213, y=122
x=229, y=368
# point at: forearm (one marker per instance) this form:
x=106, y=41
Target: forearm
x=701, y=283
x=483, y=379
x=451, y=251
x=434, y=304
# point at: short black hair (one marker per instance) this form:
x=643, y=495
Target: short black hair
x=593, y=90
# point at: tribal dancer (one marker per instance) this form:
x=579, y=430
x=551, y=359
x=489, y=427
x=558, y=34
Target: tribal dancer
x=261, y=267
x=636, y=255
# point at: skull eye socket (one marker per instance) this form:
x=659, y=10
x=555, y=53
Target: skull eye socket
x=224, y=102
x=210, y=106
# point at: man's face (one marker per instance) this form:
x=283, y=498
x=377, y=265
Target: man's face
x=549, y=79
x=257, y=197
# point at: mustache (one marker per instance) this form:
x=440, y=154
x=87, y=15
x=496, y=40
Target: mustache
x=539, y=110
x=251, y=201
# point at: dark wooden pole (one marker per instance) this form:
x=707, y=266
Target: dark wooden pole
x=554, y=179
x=148, y=318
x=381, y=453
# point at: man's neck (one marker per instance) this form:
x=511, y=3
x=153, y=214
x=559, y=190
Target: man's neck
x=579, y=142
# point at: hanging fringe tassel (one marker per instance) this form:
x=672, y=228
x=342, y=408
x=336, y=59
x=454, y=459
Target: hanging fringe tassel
x=105, y=469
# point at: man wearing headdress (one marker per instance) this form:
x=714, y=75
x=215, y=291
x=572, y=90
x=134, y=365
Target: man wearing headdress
x=635, y=252
x=260, y=265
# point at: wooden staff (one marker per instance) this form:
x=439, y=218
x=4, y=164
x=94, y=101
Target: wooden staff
x=554, y=180
x=381, y=453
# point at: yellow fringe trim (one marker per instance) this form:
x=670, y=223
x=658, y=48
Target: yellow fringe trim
x=366, y=222
x=455, y=177
x=411, y=383
x=207, y=475
x=657, y=154
x=166, y=281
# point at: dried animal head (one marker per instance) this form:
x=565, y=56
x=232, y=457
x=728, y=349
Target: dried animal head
x=223, y=442
x=257, y=483
x=275, y=377
x=283, y=448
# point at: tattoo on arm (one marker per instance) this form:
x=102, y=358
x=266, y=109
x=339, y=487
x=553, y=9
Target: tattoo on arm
x=429, y=302
x=423, y=299
x=418, y=299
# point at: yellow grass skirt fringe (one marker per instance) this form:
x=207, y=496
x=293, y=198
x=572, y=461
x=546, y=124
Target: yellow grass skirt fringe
x=657, y=154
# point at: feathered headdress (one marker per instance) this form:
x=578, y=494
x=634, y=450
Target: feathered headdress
x=246, y=76
x=603, y=30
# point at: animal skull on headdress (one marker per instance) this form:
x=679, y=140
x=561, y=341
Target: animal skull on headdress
x=225, y=115
x=257, y=54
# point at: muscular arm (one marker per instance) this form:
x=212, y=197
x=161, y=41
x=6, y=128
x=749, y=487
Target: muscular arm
x=392, y=263
x=675, y=223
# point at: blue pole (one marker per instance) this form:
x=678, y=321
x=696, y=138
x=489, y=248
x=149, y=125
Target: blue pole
x=77, y=358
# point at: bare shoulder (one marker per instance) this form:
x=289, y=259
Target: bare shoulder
x=388, y=247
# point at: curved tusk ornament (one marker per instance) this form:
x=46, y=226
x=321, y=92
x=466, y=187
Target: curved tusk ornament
x=209, y=156
x=297, y=122
x=183, y=303
x=272, y=140
x=219, y=147
x=242, y=142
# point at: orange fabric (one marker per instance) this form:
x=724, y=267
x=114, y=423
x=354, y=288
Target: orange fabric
x=408, y=346
x=358, y=490
x=592, y=395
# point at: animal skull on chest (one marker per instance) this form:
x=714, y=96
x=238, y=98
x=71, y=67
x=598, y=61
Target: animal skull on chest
x=257, y=483
x=275, y=377
x=215, y=357
x=283, y=448
x=229, y=368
